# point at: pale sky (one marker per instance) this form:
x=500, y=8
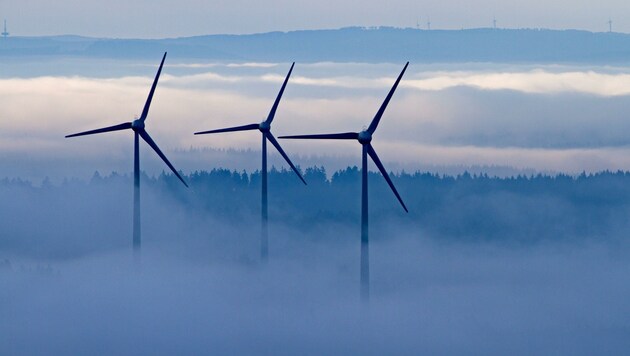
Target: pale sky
x=165, y=18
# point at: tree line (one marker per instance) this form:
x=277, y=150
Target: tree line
x=465, y=207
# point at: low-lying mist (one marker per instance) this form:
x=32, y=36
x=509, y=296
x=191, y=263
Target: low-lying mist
x=481, y=265
x=426, y=298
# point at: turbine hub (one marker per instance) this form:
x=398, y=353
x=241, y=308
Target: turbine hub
x=264, y=126
x=365, y=137
x=137, y=124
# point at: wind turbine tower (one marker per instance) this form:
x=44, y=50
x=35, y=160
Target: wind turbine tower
x=139, y=131
x=428, y=23
x=365, y=139
x=5, y=34
x=494, y=23
x=609, y=25
x=265, y=130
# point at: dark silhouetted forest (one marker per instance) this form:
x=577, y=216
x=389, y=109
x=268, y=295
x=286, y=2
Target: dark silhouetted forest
x=522, y=209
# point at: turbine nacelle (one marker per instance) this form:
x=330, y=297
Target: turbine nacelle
x=137, y=125
x=364, y=137
x=264, y=126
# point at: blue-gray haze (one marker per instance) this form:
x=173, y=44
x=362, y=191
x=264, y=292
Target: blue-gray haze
x=351, y=44
x=484, y=265
x=163, y=18
x=500, y=261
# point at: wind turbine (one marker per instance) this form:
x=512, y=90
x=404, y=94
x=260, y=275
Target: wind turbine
x=138, y=131
x=609, y=25
x=265, y=129
x=365, y=139
x=5, y=33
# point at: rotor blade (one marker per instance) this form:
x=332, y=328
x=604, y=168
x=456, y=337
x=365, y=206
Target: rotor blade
x=380, y=112
x=157, y=150
x=376, y=160
x=231, y=129
x=336, y=136
x=276, y=144
x=126, y=125
x=145, y=111
x=272, y=113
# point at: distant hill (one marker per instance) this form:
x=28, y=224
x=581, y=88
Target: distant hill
x=354, y=44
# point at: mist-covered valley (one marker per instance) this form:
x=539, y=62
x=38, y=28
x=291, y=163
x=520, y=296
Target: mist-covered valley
x=496, y=265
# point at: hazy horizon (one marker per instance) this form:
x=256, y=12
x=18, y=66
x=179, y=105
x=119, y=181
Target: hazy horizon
x=150, y=19
x=78, y=34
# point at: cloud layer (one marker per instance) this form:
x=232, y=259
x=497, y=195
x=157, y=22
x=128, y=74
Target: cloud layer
x=552, y=118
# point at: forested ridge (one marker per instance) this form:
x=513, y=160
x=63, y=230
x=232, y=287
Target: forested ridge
x=475, y=207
